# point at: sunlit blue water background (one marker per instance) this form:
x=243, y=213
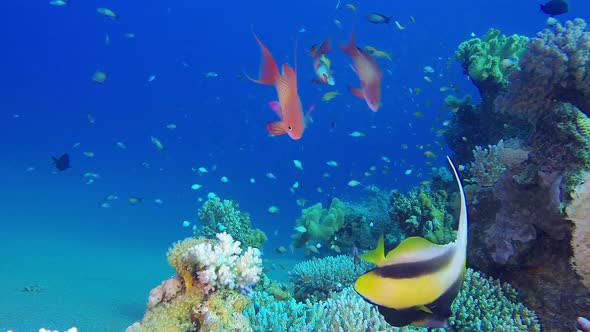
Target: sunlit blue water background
x=49, y=54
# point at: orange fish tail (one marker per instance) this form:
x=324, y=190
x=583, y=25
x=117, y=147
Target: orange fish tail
x=269, y=71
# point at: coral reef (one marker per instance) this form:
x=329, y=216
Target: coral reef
x=486, y=304
x=315, y=279
x=555, y=68
x=489, y=61
x=518, y=231
x=218, y=215
x=222, y=264
x=489, y=164
x=422, y=212
x=365, y=221
x=483, y=304
x=579, y=212
x=318, y=224
x=207, y=299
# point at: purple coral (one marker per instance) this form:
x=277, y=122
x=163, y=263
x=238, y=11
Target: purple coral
x=555, y=68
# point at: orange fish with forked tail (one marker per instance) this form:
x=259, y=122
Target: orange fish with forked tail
x=369, y=74
x=288, y=108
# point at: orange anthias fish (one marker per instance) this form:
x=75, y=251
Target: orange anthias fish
x=321, y=64
x=288, y=108
x=369, y=74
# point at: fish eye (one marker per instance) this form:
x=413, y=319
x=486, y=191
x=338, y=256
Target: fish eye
x=290, y=128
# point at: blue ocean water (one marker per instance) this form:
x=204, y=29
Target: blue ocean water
x=50, y=52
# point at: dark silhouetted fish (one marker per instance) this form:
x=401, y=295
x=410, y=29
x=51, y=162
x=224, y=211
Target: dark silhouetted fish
x=378, y=18
x=555, y=7
x=62, y=163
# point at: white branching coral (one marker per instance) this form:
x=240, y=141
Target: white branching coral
x=221, y=264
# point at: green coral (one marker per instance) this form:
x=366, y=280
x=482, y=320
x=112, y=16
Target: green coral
x=319, y=224
x=455, y=102
x=218, y=215
x=489, y=61
x=423, y=212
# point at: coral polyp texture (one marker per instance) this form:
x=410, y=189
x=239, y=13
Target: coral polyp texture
x=490, y=60
x=555, y=68
x=222, y=264
x=579, y=212
x=483, y=304
x=218, y=215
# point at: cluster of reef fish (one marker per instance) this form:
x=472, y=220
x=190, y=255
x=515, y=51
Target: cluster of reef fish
x=526, y=155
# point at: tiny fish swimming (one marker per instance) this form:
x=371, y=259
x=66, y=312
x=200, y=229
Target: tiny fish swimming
x=416, y=283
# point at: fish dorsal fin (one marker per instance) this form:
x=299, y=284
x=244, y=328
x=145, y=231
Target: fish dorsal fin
x=377, y=255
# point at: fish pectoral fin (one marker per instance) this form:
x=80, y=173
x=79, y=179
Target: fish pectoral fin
x=424, y=308
x=276, y=106
x=377, y=255
x=276, y=128
x=357, y=92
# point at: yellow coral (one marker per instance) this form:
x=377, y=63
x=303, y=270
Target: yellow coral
x=579, y=212
x=223, y=312
x=175, y=316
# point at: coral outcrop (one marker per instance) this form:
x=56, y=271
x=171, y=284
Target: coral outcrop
x=315, y=279
x=483, y=304
x=218, y=215
x=554, y=69
x=207, y=294
x=490, y=60
x=318, y=224
x=579, y=212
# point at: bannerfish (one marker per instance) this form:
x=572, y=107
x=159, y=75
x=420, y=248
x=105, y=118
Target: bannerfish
x=288, y=107
x=62, y=163
x=416, y=283
x=321, y=63
x=555, y=7
x=378, y=18
x=368, y=73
